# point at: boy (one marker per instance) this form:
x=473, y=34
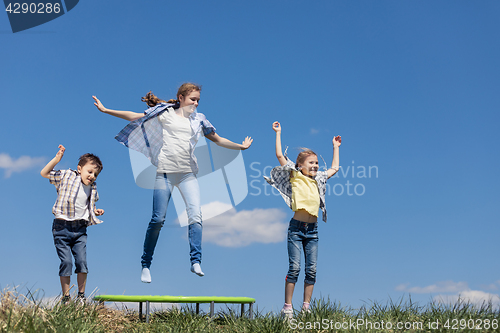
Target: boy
x=74, y=210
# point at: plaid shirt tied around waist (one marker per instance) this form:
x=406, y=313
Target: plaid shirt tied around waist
x=145, y=134
x=67, y=183
x=280, y=180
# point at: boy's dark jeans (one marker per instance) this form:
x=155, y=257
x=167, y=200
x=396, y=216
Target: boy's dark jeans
x=70, y=237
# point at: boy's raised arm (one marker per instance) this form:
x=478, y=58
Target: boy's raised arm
x=127, y=115
x=335, y=161
x=45, y=173
x=279, y=153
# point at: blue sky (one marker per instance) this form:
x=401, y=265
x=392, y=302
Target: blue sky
x=412, y=87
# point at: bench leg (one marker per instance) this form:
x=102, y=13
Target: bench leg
x=140, y=311
x=147, y=311
x=212, y=305
x=197, y=308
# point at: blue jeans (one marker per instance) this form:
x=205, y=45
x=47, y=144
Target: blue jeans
x=70, y=237
x=190, y=191
x=305, y=236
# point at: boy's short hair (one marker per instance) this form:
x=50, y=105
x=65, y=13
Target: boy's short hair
x=90, y=158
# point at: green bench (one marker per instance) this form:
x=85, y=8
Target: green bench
x=179, y=299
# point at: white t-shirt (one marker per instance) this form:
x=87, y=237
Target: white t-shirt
x=175, y=154
x=81, y=205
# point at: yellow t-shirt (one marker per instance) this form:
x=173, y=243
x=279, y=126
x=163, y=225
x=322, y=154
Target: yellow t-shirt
x=305, y=194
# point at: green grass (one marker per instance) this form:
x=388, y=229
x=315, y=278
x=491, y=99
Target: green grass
x=27, y=313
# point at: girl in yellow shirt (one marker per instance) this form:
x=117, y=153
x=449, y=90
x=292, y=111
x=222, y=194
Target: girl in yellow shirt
x=302, y=186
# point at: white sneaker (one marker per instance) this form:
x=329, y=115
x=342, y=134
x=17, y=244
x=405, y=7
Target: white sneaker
x=304, y=311
x=286, y=313
x=146, y=275
x=196, y=269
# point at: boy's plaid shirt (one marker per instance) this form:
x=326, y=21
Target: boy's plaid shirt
x=280, y=180
x=67, y=183
x=145, y=134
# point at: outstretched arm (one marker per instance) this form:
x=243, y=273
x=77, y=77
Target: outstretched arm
x=127, y=115
x=335, y=162
x=223, y=142
x=45, y=173
x=279, y=153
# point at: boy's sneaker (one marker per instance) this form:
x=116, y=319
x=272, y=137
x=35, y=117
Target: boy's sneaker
x=65, y=299
x=286, y=313
x=146, y=275
x=80, y=299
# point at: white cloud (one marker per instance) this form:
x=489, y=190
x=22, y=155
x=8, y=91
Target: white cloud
x=476, y=297
x=238, y=229
x=314, y=131
x=22, y=163
x=492, y=286
x=402, y=287
x=457, y=291
x=440, y=287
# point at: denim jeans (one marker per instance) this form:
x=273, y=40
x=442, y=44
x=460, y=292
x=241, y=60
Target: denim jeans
x=305, y=236
x=70, y=237
x=190, y=191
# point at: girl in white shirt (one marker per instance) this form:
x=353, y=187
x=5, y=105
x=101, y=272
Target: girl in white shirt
x=181, y=127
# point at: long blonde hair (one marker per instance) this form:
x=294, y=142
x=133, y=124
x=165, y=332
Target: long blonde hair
x=185, y=89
